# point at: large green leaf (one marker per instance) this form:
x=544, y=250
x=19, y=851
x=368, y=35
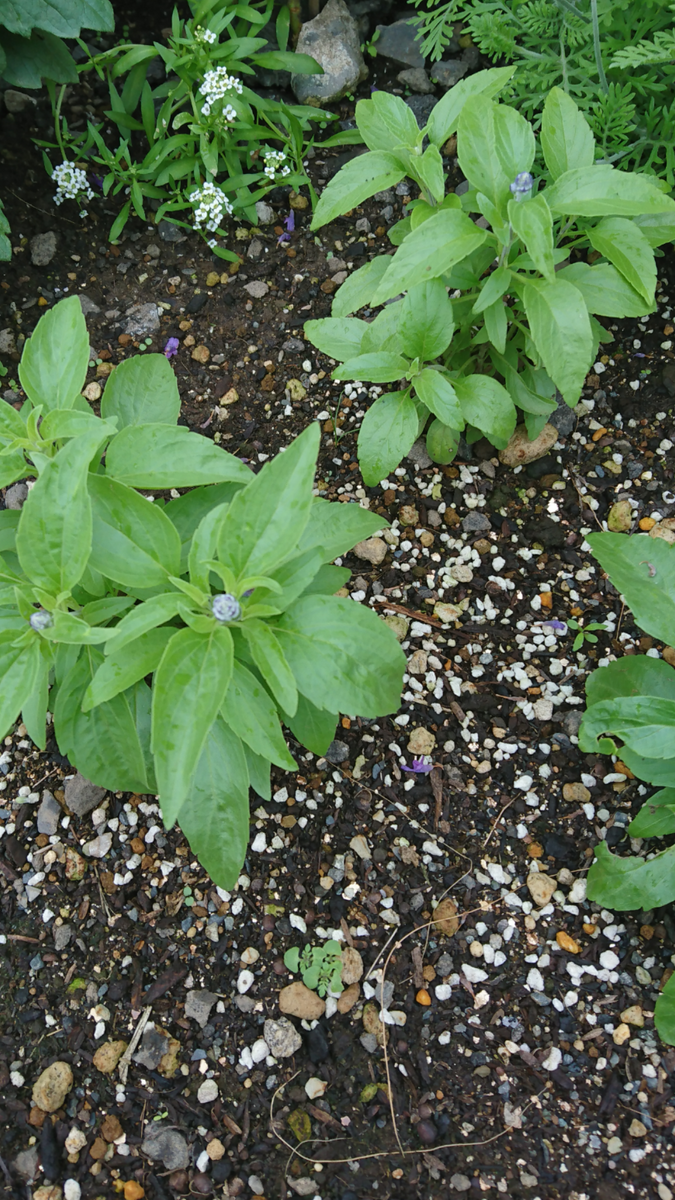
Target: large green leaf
x=359, y=289
x=429, y=168
x=387, y=432
x=339, y=337
x=53, y=540
x=134, y=541
x=143, y=617
x=664, y=1013
x=34, y=708
x=566, y=137
x=514, y=141
x=103, y=744
x=25, y=61
x=657, y=227
x=142, y=391
x=355, y=182
x=12, y=424
x=384, y=332
x=12, y=467
x=634, y=675
x=442, y=442
x=445, y=115
x=477, y=151
x=250, y=713
x=532, y=222
x=429, y=252
x=335, y=528
x=605, y=290
x=643, y=570
x=264, y=521
x=70, y=422
x=380, y=366
x=342, y=655
x=19, y=670
x=313, y=727
x=486, y=404
x=215, y=818
x=53, y=366
x=603, y=191
x=628, y=883
x=625, y=245
x=561, y=331
x=269, y=659
x=163, y=456
x=63, y=17
x=124, y=667
x=656, y=818
x=386, y=121
x=426, y=321
x=645, y=724
x=189, y=687
x=188, y=510
x=258, y=773
x=440, y=397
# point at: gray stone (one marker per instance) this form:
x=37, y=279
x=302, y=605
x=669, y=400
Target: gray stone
x=564, y=418
x=245, y=1004
x=303, y=1186
x=142, y=320
x=89, y=309
x=445, y=966
x=7, y=341
x=475, y=522
x=43, y=248
x=384, y=993
x=198, y=1006
x=17, y=102
x=265, y=213
x=256, y=289
x=421, y=106
x=369, y=1042
x=333, y=40
x=448, y=72
x=48, y=814
x=171, y=233
x=571, y=721
x=26, y=1163
x=418, y=455
x=255, y=248
x=82, y=796
x=292, y=346
x=282, y=1037
x=154, y=1046
x=399, y=42
x=62, y=936
x=416, y=79
x=167, y=1146
x=668, y=378
x=99, y=846
x=15, y=496
x=337, y=752
x=460, y=1183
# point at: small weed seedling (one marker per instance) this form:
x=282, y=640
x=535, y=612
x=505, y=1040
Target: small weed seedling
x=584, y=632
x=320, y=966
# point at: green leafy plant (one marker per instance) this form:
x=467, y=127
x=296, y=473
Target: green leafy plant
x=614, y=59
x=631, y=713
x=31, y=37
x=584, y=633
x=320, y=966
x=521, y=320
x=221, y=597
x=203, y=140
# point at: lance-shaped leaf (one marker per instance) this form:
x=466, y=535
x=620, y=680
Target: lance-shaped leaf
x=53, y=366
x=387, y=432
x=34, y=708
x=628, y=883
x=429, y=252
x=603, y=191
x=339, y=337
x=561, y=331
x=533, y=224
x=215, y=818
x=605, y=290
x=360, y=287
x=124, y=667
x=566, y=136
x=486, y=404
x=355, y=182
x=145, y=616
x=625, y=245
x=53, y=540
x=164, y=456
x=440, y=397
x=377, y=367
x=664, y=1013
x=188, y=689
x=385, y=121
x=19, y=668
x=142, y=391
x=134, y=542
x=342, y=655
x=426, y=322
x=249, y=710
x=445, y=115
x=336, y=528
x=269, y=659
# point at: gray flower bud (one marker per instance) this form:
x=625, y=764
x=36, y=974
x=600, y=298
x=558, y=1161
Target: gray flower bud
x=41, y=620
x=225, y=607
x=522, y=186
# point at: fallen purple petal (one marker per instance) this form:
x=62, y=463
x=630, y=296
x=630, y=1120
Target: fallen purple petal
x=171, y=347
x=419, y=767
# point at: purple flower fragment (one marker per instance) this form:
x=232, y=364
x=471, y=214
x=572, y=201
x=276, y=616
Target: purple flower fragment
x=559, y=628
x=420, y=766
x=289, y=226
x=521, y=188
x=171, y=348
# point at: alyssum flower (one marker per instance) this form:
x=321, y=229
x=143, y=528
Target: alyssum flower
x=217, y=83
x=212, y=207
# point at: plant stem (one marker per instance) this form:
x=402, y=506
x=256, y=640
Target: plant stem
x=57, y=120
x=596, y=46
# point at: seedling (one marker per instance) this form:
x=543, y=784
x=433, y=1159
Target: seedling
x=320, y=966
x=584, y=633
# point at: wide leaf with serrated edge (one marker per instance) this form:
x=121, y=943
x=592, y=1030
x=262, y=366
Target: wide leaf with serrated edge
x=566, y=137
x=561, y=331
x=134, y=542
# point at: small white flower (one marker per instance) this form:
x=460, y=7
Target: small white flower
x=212, y=207
x=275, y=164
x=71, y=184
x=217, y=83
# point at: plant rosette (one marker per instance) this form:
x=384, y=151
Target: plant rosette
x=170, y=638
x=320, y=966
x=631, y=713
x=480, y=319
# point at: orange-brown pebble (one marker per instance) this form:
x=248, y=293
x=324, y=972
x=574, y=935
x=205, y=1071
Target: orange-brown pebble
x=423, y=997
x=646, y=523
x=546, y=599
x=567, y=943
x=598, y=433
x=133, y=1190
x=589, y=928
x=535, y=850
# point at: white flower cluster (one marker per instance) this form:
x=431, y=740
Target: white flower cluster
x=213, y=205
x=275, y=164
x=205, y=35
x=216, y=85
x=71, y=183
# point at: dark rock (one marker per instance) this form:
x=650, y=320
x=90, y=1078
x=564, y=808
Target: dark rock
x=448, y=72
x=154, y=1046
x=421, y=106
x=82, y=796
x=417, y=80
x=171, y=233
x=564, y=418
x=546, y=531
x=337, y=752
x=168, y=1146
x=571, y=721
x=668, y=378
x=197, y=302
x=198, y=1005
x=201, y=1184
x=560, y=847
x=48, y=814
x=89, y=309
x=318, y=1046
x=42, y=248
x=548, y=465
x=399, y=42
x=142, y=320
x=475, y=522
x=426, y=1132
x=333, y=39
x=50, y=1154
x=470, y=56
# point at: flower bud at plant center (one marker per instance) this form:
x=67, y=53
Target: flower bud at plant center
x=225, y=607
